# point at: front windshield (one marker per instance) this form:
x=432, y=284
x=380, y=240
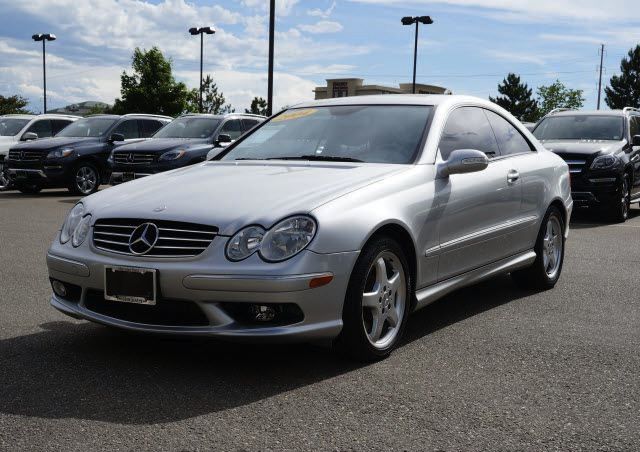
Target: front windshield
x=187, y=127
x=11, y=126
x=357, y=133
x=580, y=127
x=88, y=127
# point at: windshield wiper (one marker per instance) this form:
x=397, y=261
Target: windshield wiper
x=249, y=158
x=319, y=158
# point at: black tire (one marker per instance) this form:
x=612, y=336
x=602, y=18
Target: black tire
x=538, y=275
x=89, y=184
x=619, y=212
x=29, y=189
x=353, y=340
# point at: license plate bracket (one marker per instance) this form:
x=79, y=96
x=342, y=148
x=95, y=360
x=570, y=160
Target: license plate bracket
x=130, y=284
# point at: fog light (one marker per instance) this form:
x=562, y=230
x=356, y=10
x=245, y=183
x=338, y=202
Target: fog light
x=262, y=313
x=59, y=289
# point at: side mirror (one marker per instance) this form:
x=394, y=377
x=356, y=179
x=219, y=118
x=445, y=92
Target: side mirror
x=223, y=138
x=635, y=141
x=116, y=137
x=463, y=161
x=29, y=136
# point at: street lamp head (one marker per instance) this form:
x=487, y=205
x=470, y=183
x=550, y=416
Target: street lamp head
x=193, y=31
x=408, y=20
x=37, y=37
x=50, y=37
x=43, y=36
x=196, y=31
x=208, y=30
x=425, y=20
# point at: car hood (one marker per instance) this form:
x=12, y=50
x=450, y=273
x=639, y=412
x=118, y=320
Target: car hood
x=55, y=142
x=163, y=144
x=231, y=195
x=584, y=147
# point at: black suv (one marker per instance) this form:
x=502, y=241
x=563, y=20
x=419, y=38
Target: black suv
x=602, y=149
x=185, y=141
x=76, y=157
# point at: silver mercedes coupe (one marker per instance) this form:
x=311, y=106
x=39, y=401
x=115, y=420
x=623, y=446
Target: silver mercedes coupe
x=333, y=220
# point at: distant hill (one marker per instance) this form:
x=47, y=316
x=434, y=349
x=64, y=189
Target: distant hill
x=82, y=108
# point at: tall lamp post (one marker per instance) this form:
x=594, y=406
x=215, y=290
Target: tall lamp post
x=272, y=20
x=44, y=37
x=426, y=20
x=201, y=31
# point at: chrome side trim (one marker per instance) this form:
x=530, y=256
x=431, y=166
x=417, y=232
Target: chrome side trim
x=430, y=294
x=251, y=283
x=461, y=241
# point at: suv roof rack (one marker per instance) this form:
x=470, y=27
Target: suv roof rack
x=148, y=115
x=630, y=109
x=559, y=110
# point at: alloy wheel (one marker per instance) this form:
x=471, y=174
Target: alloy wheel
x=86, y=179
x=383, y=299
x=552, y=247
x=625, y=198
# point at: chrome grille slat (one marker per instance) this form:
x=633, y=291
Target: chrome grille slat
x=133, y=158
x=27, y=155
x=175, y=239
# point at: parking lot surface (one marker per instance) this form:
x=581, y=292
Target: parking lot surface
x=490, y=367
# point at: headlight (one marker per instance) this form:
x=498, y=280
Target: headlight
x=71, y=222
x=60, y=153
x=283, y=241
x=605, y=162
x=81, y=231
x=244, y=243
x=172, y=155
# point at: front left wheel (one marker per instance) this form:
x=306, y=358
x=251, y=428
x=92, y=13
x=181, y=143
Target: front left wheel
x=85, y=179
x=377, y=302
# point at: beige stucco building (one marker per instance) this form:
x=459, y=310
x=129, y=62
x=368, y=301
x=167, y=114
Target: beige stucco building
x=344, y=87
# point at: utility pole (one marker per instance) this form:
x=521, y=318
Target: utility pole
x=272, y=21
x=600, y=79
x=408, y=20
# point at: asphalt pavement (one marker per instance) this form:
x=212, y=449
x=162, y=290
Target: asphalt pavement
x=491, y=367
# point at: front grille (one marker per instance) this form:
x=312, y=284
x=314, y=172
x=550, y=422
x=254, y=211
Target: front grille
x=133, y=158
x=26, y=155
x=166, y=312
x=175, y=239
x=576, y=162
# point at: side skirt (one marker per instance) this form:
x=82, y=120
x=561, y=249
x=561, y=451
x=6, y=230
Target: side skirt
x=430, y=294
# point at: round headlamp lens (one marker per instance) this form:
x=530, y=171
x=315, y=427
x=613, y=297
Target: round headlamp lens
x=81, y=231
x=244, y=243
x=287, y=238
x=70, y=224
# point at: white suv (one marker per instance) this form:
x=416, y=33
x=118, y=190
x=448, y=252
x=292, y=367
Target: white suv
x=16, y=128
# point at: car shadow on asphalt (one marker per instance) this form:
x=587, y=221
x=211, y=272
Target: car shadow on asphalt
x=85, y=371
x=589, y=219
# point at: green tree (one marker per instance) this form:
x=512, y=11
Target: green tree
x=213, y=101
x=557, y=95
x=625, y=88
x=517, y=99
x=258, y=107
x=151, y=87
x=13, y=105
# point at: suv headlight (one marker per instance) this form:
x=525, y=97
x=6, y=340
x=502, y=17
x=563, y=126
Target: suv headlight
x=60, y=153
x=605, y=162
x=71, y=222
x=172, y=155
x=81, y=231
x=283, y=241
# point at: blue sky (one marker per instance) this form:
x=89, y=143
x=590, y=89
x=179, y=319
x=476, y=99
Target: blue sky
x=471, y=46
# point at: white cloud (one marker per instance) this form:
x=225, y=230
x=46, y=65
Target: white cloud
x=323, y=13
x=283, y=7
x=323, y=26
x=517, y=57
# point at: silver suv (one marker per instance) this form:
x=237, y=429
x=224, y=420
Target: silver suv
x=334, y=219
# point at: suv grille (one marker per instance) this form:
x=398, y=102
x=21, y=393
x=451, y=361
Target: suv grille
x=26, y=155
x=174, y=238
x=133, y=158
x=576, y=162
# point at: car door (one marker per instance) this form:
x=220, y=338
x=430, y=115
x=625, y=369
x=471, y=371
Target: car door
x=634, y=156
x=476, y=208
x=41, y=127
x=233, y=128
x=129, y=129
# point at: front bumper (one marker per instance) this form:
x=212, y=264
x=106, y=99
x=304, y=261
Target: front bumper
x=212, y=286
x=595, y=190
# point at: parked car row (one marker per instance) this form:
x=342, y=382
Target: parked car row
x=100, y=149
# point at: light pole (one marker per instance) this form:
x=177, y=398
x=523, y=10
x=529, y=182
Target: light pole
x=44, y=37
x=426, y=20
x=201, y=31
x=272, y=20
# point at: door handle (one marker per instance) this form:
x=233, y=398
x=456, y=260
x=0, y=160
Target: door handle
x=512, y=176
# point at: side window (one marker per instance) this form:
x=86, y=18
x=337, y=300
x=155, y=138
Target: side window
x=468, y=128
x=249, y=123
x=634, y=126
x=128, y=128
x=510, y=140
x=233, y=128
x=58, y=124
x=148, y=127
x=41, y=127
